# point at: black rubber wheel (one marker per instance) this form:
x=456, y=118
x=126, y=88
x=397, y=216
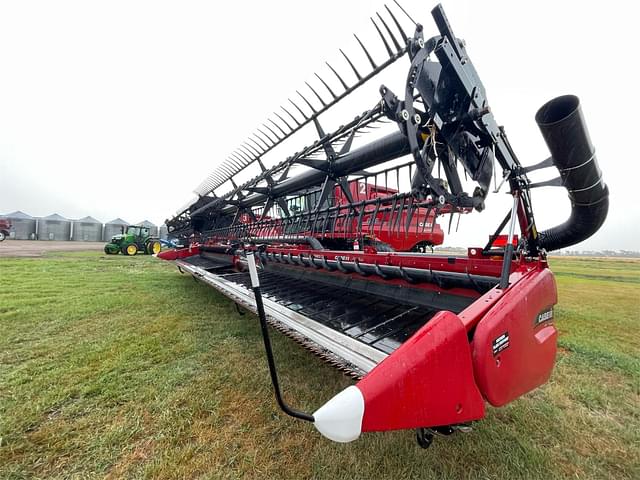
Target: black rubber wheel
x=424, y=438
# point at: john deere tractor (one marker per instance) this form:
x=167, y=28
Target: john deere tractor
x=137, y=239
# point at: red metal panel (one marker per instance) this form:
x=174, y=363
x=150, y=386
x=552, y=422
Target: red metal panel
x=508, y=367
x=426, y=382
x=175, y=253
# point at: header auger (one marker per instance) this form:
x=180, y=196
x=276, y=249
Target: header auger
x=330, y=245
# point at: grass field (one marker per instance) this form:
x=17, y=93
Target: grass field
x=114, y=367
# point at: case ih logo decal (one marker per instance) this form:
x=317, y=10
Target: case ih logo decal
x=501, y=343
x=544, y=316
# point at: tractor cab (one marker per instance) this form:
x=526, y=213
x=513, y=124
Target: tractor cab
x=138, y=231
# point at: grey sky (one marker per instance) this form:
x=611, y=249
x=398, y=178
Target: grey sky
x=121, y=108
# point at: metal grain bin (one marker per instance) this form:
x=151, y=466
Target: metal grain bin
x=153, y=228
x=87, y=229
x=24, y=226
x=54, y=227
x=164, y=232
x=114, y=227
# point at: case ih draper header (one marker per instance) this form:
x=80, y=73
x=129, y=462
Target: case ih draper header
x=329, y=245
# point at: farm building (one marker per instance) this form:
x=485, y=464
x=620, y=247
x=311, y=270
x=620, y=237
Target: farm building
x=164, y=232
x=153, y=228
x=114, y=227
x=24, y=226
x=87, y=229
x=54, y=227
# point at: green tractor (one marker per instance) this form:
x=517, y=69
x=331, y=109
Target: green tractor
x=137, y=239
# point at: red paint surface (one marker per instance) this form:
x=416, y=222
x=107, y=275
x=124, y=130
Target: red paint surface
x=528, y=361
x=176, y=253
x=426, y=382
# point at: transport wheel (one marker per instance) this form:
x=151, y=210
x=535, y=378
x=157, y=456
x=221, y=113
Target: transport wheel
x=130, y=249
x=424, y=437
x=2, y=236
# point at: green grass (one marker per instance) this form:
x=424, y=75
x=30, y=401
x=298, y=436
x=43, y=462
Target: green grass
x=114, y=367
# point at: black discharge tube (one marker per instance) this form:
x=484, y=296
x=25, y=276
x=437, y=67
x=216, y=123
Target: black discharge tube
x=563, y=129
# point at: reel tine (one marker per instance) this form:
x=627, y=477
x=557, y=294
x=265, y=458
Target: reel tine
x=283, y=121
x=315, y=222
x=307, y=217
x=404, y=11
x=384, y=40
x=395, y=20
x=299, y=110
x=426, y=219
x=392, y=213
x=266, y=146
x=326, y=86
x=249, y=152
x=268, y=137
x=236, y=161
x=366, y=52
x=410, y=212
x=307, y=102
x=360, y=218
x=372, y=220
x=221, y=171
x=335, y=222
x=393, y=38
x=277, y=126
x=274, y=133
x=225, y=169
x=299, y=224
x=316, y=94
x=352, y=65
x=292, y=117
x=261, y=150
x=339, y=77
x=392, y=223
x=399, y=217
x=242, y=158
x=324, y=223
x=245, y=154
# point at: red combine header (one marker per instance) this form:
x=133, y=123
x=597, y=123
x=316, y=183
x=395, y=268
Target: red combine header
x=332, y=244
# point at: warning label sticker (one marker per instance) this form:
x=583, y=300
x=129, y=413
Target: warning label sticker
x=501, y=343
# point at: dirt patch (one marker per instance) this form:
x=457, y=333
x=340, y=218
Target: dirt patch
x=37, y=248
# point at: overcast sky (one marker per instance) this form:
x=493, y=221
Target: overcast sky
x=120, y=109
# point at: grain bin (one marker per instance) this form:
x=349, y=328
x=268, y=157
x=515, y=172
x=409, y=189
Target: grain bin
x=164, y=232
x=54, y=227
x=114, y=227
x=153, y=229
x=87, y=229
x=24, y=226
